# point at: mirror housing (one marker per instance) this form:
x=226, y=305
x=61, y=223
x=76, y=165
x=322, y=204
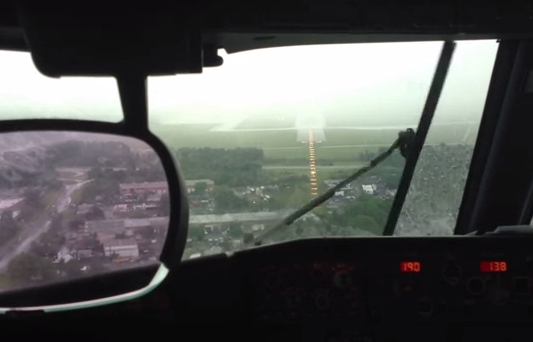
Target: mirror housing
x=115, y=286
x=67, y=41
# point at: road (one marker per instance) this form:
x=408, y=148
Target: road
x=34, y=230
x=78, y=172
x=322, y=167
x=318, y=167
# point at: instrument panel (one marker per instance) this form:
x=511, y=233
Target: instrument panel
x=337, y=290
x=382, y=279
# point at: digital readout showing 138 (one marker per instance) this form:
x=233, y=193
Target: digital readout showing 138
x=493, y=266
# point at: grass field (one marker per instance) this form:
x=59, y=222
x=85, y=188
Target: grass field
x=321, y=174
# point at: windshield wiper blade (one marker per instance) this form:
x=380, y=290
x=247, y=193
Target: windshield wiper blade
x=432, y=100
x=403, y=143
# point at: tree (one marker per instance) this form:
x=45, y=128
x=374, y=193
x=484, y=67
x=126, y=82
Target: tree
x=95, y=172
x=235, y=230
x=96, y=213
x=226, y=245
x=42, y=250
x=7, y=222
x=232, y=167
x=32, y=198
x=196, y=233
x=76, y=224
x=164, y=204
x=200, y=188
x=227, y=201
x=56, y=224
x=8, y=226
x=28, y=267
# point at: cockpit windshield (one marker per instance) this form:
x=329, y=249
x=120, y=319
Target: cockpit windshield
x=273, y=128
x=255, y=138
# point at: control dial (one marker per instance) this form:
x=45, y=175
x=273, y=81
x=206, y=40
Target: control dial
x=318, y=273
x=293, y=298
x=452, y=273
x=498, y=295
x=322, y=299
x=343, y=279
x=425, y=306
x=403, y=287
x=475, y=285
x=273, y=280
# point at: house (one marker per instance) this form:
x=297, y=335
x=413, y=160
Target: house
x=141, y=223
x=84, y=209
x=122, y=208
x=14, y=205
x=330, y=183
x=84, y=253
x=369, y=189
x=144, y=188
x=123, y=248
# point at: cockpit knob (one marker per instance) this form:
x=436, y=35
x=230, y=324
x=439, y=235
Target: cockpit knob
x=322, y=301
x=452, y=273
x=342, y=279
x=273, y=280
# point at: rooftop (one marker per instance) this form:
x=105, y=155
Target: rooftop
x=104, y=225
x=8, y=203
x=120, y=242
x=116, y=225
x=144, y=185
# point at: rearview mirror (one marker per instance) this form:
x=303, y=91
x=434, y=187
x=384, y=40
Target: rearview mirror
x=78, y=205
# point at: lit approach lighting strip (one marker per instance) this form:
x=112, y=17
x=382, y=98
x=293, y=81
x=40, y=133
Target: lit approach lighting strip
x=312, y=165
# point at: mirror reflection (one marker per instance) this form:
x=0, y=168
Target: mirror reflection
x=78, y=204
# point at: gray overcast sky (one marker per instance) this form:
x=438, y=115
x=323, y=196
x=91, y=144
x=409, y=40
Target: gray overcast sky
x=371, y=82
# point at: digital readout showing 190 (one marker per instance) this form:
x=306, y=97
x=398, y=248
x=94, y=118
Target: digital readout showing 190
x=410, y=266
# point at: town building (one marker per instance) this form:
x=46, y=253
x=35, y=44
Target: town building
x=144, y=188
x=14, y=204
x=369, y=189
x=122, y=248
x=106, y=230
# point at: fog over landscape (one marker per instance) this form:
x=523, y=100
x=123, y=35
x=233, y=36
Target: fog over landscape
x=372, y=84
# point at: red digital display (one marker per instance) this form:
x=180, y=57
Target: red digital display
x=410, y=266
x=493, y=266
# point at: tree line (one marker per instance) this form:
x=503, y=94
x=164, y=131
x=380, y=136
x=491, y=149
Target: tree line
x=231, y=167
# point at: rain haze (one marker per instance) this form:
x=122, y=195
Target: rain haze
x=368, y=84
x=255, y=139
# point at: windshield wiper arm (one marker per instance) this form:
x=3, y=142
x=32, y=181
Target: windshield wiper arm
x=403, y=143
x=410, y=145
x=426, y=118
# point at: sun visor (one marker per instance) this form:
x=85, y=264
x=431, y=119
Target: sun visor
x=71, y=40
